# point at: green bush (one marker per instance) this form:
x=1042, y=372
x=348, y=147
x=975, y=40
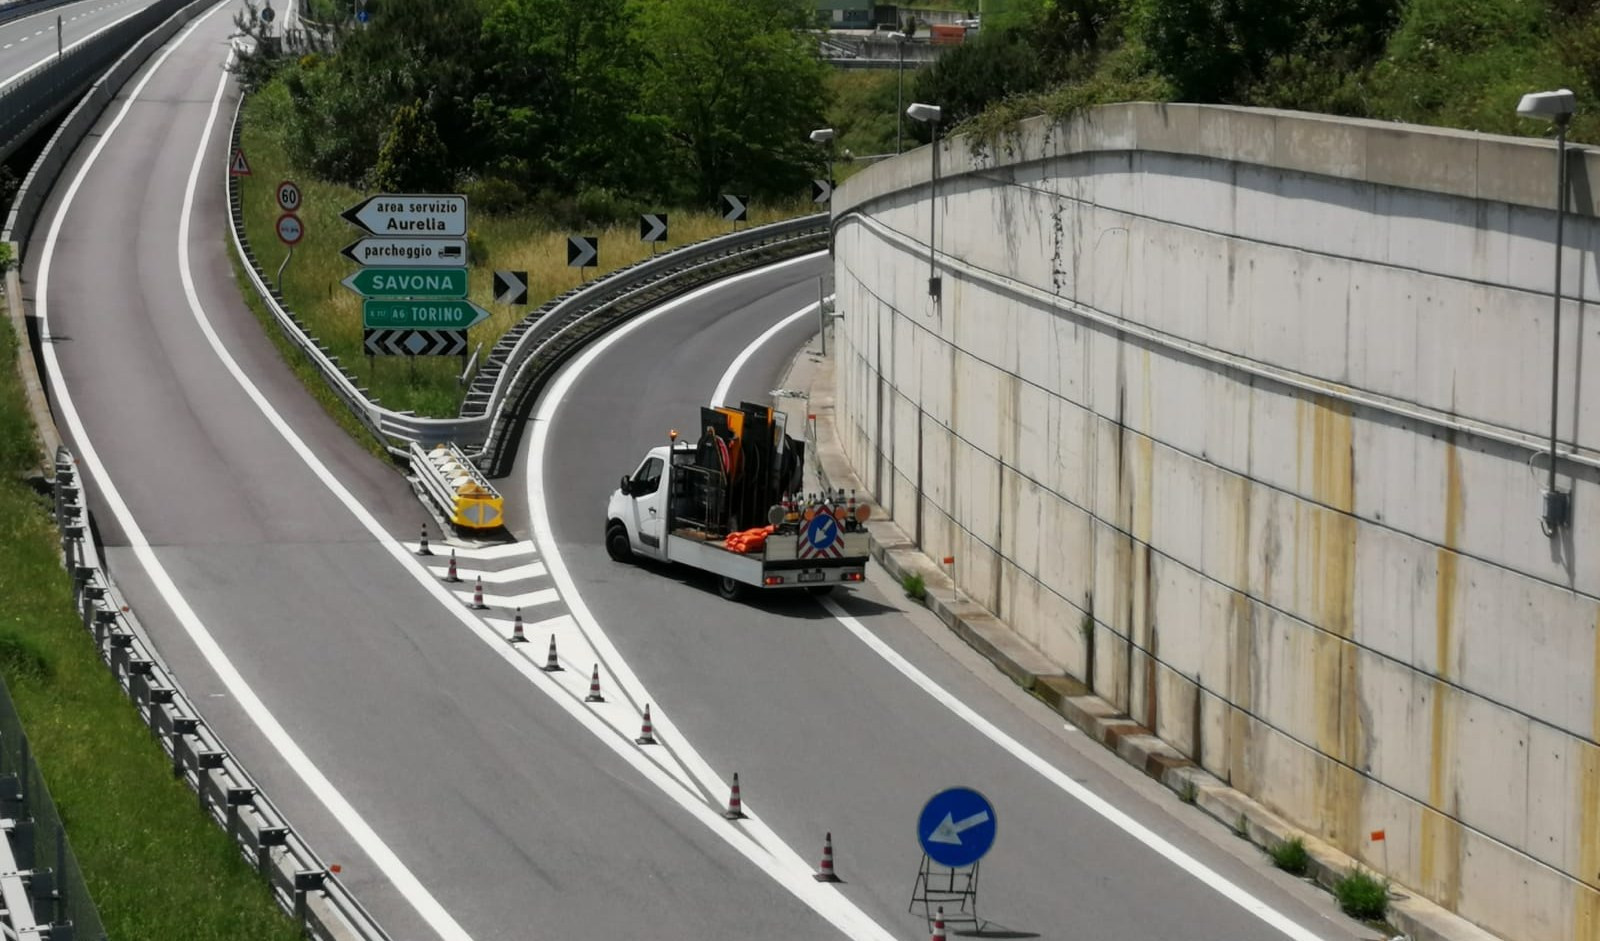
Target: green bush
x=914, y=586
x=494, y=196
x=1362, y=895
x=1290, y=855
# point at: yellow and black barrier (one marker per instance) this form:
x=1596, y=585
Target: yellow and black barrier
x=461, y=492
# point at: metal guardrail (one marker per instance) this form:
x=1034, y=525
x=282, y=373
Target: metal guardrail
x=17, y=9
x=300, y=882
x=50, y=88
x=487, y=429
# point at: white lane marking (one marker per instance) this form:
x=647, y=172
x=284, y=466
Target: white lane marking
x=486, y=554
x=271, y=728
x=726, y=382
x=786, y=866
x=502, y=577
x=608, y=722
x=531, y=599
x=1211, y=878
x=69, y=47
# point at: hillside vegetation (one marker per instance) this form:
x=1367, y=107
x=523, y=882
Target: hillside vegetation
x=1454, y=63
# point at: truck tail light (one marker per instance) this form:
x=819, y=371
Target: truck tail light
x=854, y=576
x=773, y=580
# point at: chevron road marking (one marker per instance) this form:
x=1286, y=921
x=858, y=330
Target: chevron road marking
x=478, y=553
x=531, y=599
x=490, y=577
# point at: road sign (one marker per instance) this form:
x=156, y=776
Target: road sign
x=653, y=227
x=821, y=191
x=420, y=314
x=583, y=251
x=288, y=196
x=409, y=282
x=410, y=214
x=407, y=253
x=734, y=208
x=290, y=231
x=511, y=287
x=956, y=827
x=266, y=14
x=415, y=342
x=238, y=166
x=820, y=539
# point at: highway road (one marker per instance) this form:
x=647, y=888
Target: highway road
x=465, y=793
x=30, y=41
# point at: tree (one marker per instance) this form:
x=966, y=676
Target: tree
x=731, y=89
x=967, y=79
x=413, y=158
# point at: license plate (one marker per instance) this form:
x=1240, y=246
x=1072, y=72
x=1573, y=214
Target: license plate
x=813, y=576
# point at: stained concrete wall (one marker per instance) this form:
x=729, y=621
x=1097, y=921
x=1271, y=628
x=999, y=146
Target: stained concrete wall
x=1231, y=413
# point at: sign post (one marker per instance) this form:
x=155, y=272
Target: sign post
x=956, y=829
x=290, y=232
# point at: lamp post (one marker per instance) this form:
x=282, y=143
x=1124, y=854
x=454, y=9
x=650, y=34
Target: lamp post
x=899, y=90
x=824, y=135
x=1555, y=106
x=930, y=115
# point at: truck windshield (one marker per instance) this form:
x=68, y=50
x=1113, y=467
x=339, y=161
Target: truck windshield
x=646, y=479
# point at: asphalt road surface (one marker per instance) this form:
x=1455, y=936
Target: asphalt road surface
x=31, y=40
x=465, y=793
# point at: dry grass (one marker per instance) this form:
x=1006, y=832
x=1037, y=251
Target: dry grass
x=428, y=385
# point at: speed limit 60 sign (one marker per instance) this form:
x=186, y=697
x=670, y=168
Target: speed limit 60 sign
x=289, y=228
x=288, y=196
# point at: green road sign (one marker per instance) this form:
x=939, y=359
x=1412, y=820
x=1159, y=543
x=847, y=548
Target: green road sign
x=409, y=282
x=425, y=315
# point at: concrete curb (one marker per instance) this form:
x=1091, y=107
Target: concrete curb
x=1418, y=919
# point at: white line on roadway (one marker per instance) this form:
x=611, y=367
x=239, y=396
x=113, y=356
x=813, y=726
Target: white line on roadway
x=1210, y=877
x=70, y=46
x=274, y=731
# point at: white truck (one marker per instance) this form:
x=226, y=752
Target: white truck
x=724, y=506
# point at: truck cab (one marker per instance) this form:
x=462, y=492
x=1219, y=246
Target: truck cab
x=639, y=504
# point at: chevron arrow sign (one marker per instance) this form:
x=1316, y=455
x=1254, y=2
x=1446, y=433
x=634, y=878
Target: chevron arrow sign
x=821, y=191
x=415, y=342
x=653, y=227
x=583, y=251
x=734, y=207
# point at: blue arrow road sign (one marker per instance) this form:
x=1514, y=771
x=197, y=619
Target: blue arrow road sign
x=956, y=827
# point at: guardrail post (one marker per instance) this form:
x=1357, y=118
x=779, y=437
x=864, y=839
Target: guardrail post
x=103, y=619
x=306, y=880
x=266, y=839
x=181, y=726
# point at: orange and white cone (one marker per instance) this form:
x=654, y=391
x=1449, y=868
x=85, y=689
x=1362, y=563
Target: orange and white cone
x=551, y=664
x=825, y=871
x=451, y=576
x=735, y=807
x=938, y=926
x=647, y=733
x=517, y=636
x=594, y=687
x=422, y=543
x=477, y=596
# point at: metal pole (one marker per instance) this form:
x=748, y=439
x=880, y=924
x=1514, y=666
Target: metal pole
x=899, y=99
x=933, y=201
x=1555, y=346
x=58, y=37
x=822, y=319
x=287, y=255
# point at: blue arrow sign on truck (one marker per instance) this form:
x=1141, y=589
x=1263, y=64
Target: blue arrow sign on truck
x=957, y=827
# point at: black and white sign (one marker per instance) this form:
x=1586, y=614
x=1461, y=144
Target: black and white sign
x=290, y=231
x=407, y=253
x=511, y=287
x=266, y=13
x=583, y=251
x=413, y=214
x=415, y=342
x=288, y=196
x=821, y=191
x=734, y=207
x=653, y=227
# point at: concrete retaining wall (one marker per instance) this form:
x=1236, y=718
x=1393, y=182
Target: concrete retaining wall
x=1231, y=413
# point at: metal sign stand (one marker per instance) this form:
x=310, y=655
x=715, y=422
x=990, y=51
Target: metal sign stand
x=287, y=255
x=946, y=887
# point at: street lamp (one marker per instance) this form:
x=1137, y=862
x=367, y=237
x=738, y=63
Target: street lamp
x=1557, y=107
x=930, y=115
x=899, y=90
x=824, y=135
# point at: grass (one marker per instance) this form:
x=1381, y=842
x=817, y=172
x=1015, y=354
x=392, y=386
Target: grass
x=520, y=242
x=156, y=867
x=1290, y=855
x=1362, y=895
x=914, y=586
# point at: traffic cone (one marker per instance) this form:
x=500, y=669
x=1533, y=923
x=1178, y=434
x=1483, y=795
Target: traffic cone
x=735, y=809
x=477, y=595
x=594, y=687
x=938, y=926
x=551, y=664
x=451, y=575
x=647, y=734
x=517, y=637
x=825, y=871
x=422, y=546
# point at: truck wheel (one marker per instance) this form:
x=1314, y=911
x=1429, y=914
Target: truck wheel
x=729, y=589
x=819, y=590
x=617, y=544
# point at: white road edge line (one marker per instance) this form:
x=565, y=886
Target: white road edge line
x=69, y=47
x=726, y=382
x=787, y=868
x=1211, y=878
x=293, y=756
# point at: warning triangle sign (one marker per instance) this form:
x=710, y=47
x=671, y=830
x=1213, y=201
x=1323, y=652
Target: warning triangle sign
x=239, y=166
